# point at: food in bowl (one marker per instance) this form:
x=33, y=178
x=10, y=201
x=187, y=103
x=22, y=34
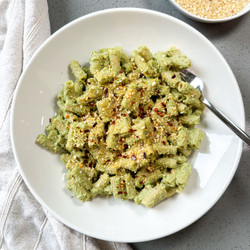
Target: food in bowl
x=126, y=125
x=213, y=9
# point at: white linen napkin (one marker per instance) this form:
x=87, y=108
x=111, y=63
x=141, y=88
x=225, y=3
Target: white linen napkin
x=24, y=223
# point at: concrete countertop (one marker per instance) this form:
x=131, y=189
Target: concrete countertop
x=227, y=224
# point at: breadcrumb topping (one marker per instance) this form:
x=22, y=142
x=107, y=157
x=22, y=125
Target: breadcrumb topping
x=213, y=9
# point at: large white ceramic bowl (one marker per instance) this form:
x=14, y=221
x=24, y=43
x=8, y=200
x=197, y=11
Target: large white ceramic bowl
x=207, y=20
x=34, y=103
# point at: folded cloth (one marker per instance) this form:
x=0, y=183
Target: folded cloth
x=24, y=223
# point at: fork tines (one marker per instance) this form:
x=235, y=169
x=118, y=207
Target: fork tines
x=187, y=75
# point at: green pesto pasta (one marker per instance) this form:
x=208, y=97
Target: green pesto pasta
x=126, y=125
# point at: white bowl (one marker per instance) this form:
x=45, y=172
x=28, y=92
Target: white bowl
x=34, y=103
x=206, y=20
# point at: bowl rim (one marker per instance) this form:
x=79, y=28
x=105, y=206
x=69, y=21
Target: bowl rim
x=209, y=20
x=108, y=11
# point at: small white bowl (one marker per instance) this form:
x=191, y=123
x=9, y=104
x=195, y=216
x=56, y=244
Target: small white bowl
x=206, y=20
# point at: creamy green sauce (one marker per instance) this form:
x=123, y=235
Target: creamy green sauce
x=126, y=125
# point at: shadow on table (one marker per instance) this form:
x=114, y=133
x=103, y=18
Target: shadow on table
x=217, y=30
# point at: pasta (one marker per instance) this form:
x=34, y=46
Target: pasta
x=126, y=125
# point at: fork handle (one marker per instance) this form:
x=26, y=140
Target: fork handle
x=245, y=137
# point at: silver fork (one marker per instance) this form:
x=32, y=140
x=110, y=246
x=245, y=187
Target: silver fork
x=198, y=83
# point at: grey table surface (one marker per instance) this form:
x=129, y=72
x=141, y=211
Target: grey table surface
x=227, y=224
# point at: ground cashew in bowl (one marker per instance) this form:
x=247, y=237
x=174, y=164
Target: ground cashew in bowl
x=213, y=9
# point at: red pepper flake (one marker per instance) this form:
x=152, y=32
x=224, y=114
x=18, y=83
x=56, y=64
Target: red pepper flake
x=108, y=160
x=133, y=103
x=133, y=157
x=163, y=104
x=132, y=130
x=75, y=145
x=88, y=98
x=155, y=109
x=136, y=176
x=168, y=100
x=141, y=182
x=49, y=119
x=84, y=119
x=164, y=143
x=171, y=124
x=106, y=92
x=141, y=112
x=118, y=117
x=91, y=140
x=161, y=83
x=66, y=116
x=121, y=71
x=124, y=115
x=125, y=192
x=92, y=104
x=120, y=192
x=86, y=130
x=173, y=76
x=113, y=122
x=149, y=114
x=177, y=119
x=124, y=156
x=115, y=77
x=162, y=114
x=90, y=165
